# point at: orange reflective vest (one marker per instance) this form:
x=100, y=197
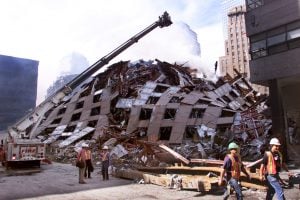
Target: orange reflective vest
x=271, y=165
x=88, y=155
x=235, y=167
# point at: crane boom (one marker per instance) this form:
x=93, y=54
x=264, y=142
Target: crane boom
x=26, y=127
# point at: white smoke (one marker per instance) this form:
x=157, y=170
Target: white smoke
x=73, y=63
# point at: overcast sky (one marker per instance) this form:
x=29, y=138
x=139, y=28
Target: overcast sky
x=50, y=31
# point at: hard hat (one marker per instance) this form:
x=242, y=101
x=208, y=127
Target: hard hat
x=105, y=147
x=274, y=141
x=233, y=145
x=85, y=145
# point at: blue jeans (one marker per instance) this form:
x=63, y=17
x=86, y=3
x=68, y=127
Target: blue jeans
x=237, y=188
x=274, y=187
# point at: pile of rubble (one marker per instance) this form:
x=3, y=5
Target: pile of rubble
x=143, y=110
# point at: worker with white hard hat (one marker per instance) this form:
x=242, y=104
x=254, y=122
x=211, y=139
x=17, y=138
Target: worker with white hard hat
x=232, y=168
x=270, y=168
x=104, y=157
x=81, y=158
x=88, y=161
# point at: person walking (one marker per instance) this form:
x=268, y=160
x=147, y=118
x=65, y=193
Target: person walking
x=81, y=156
x=88, y=162
x=270, y=168
x=104, y=156
x=232, y=168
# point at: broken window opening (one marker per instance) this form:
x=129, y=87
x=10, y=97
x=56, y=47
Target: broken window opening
x=152, y=100
x=175, y=99
x=79, y=105
x=160, y=89
x=170, y=113
x=145, y=114
x=56, y=121
x=70, y=128
x=89, y=136
x=233, y=94
x=223, y=129
x=97, y=98
x=75, y=117
x=92, y=123
x=225, y=98
x=85, y=92
x=197, y=113
x=227, y=113
x=142, y=133
x=202, y=101
x=61, y=111
x=190, y=132
x=95, y=111
x=47, y=131
x=165, y=133
x=250, y=99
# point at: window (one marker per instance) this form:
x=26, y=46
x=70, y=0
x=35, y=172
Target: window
x=86, y=92
x=165, y=133
x=56, y=121
x=227, y=113
x=92, y=123
x=190, y=132
x=145, y=114
x=175, y=100
x=142, y=132
x=252, y=4
x=170, y=113
x=160, y=89
x=293, y=34
x=152, y=100
x=70, y=128
x=95, y=111
x=276, y=39
x=79, y=105
x=197, y=113
x=97, y=98
x=75, y=117
x=256, y=46
x=61, y=111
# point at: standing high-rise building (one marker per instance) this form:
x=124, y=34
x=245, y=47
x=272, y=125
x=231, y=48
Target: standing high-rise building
x=237, y=47
x=18, y=86
x=227, y=5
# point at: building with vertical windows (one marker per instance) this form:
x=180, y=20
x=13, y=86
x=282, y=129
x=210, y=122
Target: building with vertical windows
x=237, y=47
x=18, y=86
x=273, y=27
x=227, y=5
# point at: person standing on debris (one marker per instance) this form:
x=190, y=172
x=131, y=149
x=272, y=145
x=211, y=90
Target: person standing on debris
x=104, y=156
x=82, y=156
x=2, y=155
x=232, y=167
x=88, y=162
x=270, y=168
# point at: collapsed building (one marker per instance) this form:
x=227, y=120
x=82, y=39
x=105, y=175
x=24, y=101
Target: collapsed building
x=153, y=112
x=162, y=103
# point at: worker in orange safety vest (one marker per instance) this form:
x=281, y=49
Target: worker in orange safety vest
x=232, y=167
x=270, y=168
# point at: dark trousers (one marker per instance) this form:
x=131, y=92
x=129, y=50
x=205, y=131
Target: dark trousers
x=105, y=165
x=88, y=169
